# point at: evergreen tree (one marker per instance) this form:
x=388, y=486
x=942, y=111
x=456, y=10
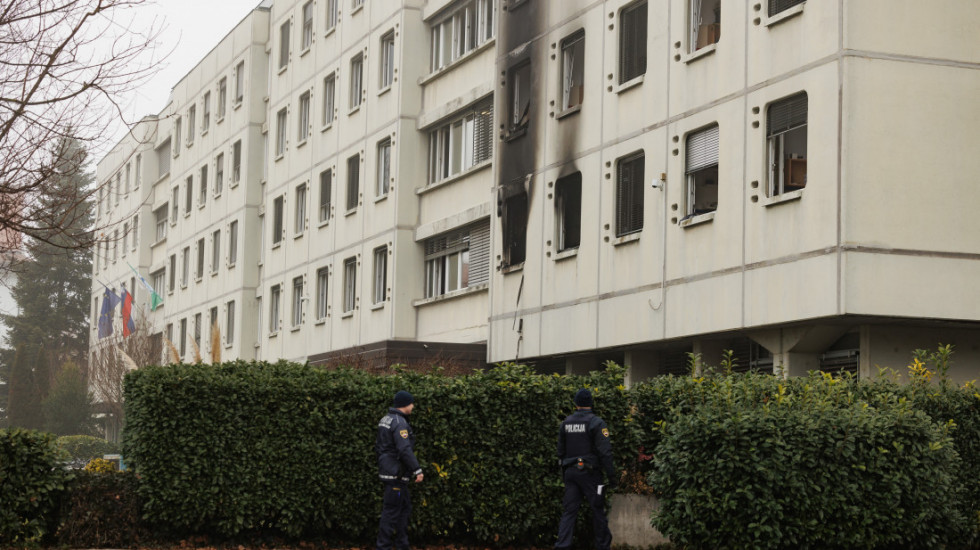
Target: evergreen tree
x=25, y=396
x=52, y=288
x=68, y=406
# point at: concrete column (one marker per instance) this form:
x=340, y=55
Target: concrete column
x=641, y=365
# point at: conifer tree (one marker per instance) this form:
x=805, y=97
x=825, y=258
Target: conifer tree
x=68, y=407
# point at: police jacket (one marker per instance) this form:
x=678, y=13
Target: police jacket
x=584, y=435
x=394, y=448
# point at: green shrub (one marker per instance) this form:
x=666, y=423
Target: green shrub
x=764, y=463
x=101, y=510
x=245, y=447
x=83, y=448
x=32, y=480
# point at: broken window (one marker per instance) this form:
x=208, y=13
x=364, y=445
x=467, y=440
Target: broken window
x=568, y=212
x=629, y=194
x=519, y=93
x=705, y=23
x=702, y=171
x=776, y=6
x=515, y=226
x=786, y=136
x=632, y=42
x=572, y=68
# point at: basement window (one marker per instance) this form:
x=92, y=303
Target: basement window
x=786, y=122
x=702, y=171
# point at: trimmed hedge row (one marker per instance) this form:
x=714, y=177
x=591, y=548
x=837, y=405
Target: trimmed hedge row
x=256, y=446
x=739, y=461
x=32, y=481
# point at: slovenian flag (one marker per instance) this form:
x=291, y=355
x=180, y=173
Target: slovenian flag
x=155, y=299
x=129, y=326
x=109, y=303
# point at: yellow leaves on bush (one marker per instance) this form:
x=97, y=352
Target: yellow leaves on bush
x=101, y=466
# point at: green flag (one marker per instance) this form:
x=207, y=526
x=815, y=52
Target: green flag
x=155, y=299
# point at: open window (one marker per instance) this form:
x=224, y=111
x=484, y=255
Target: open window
x=568, y=212
x=572, y=69
x=705, y=19
x=702, y=171
x=786, y=122
x=519, y=94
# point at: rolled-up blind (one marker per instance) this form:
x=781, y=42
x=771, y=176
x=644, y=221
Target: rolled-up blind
x=786, y=114
x=702, y=149
x=776, y=6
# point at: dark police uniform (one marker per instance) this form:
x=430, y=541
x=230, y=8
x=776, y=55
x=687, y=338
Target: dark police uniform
x=396, y=465
x=583, y=446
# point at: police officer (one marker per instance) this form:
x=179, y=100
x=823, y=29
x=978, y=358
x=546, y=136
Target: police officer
x=396, y=466
x=584, y=447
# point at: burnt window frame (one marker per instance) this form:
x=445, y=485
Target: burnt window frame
x=568, y=212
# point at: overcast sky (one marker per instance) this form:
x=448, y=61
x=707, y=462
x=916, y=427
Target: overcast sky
x=191, y=28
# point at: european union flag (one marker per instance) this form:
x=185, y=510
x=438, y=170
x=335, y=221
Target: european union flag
x=109, y=303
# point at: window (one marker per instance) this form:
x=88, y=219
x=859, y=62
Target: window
x=185, y=268
x=387, y=75
x=281, y=132
x=206, y=119
x=274, y=295
x=326, y=183
x=170, y=332
x=239, y=82
x=303, y=128
x=202, y=195
x=125, y=239
x=197, y=330
x=457, y=259
x=462, y=143
x=129, y=175
x=380, y=274
x=219, y=173
x=183, y=337
x=159, y=278
x=200, y=259
x=213, y=322
x=232, y=243
x=307, y=24
x=356, y=81
x=331, y=14
x=172, y=272
x=572, y=69
x=321, y=293
x=222, y=97
x=786, y=122
x=188, y=194
x=115, y=245
x=350, y=284
x=777, y=6
x=118, y=186
x=520, y=97
x=236, y=162
x=329, y=85
x=297, y=301
x=139, y=167
x=163, y=158
x=191, y=116
x=629, y=194
x=702, y=171
x=465, y=28
x=177, y=127
x=299, y=215
x=353, y=181
x=230, y=323
x=705, y=23
x=354, y=4
x=277, y=204
x=514, y=225
x=632, y=42
x=568, y=212
x=160, y=214
x=384, y=168
x=174, y=205
x=136, y=232
x=284, y=45
x=215, y=250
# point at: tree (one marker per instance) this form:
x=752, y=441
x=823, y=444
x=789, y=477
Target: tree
x=68, y=406
x=64, y=68
x=24, y=403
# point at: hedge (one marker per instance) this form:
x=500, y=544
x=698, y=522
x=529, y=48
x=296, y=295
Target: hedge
x=764, y=463
x=100, y=510
x=245, y=447
x=32, y=481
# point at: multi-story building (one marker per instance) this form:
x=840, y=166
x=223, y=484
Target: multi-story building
x=642, y=193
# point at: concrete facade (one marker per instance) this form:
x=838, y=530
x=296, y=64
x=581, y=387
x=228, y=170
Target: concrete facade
x=563, y=183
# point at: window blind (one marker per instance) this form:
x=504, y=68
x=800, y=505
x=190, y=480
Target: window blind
x=787, y=114
x=702, y=149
